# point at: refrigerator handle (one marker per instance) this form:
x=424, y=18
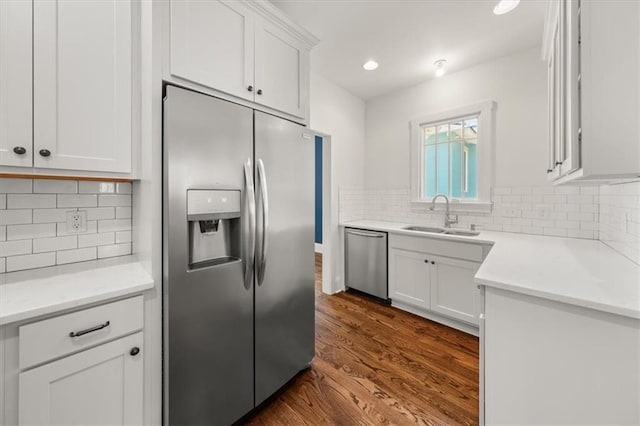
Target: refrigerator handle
x=264, y=222
x=250, y=235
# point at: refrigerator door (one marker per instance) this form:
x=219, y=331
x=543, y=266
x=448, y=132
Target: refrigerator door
x=284, y=292
x=208, y=307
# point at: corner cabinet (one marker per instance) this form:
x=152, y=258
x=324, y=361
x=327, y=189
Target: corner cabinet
x=69, y=65
x=592, y=50
x=433, y=278
x=266, y=55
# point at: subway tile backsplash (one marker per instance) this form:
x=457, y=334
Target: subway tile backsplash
x=33, y=230
x=620, y=218
x=555, y=211
x=610, y=213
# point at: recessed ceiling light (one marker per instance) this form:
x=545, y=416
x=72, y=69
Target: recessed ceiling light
x=505, y=6
x=439, y=64
x=370, y=65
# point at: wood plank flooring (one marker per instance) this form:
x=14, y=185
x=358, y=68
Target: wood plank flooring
x=377, y=365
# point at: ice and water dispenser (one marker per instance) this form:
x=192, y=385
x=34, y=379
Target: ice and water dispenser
x=214, y=227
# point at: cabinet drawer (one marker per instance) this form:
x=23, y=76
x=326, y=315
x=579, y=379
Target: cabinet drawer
x=455, y=249
x=48, y=339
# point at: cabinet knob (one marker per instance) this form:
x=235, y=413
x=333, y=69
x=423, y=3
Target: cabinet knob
x=44, y=152
x=426, y=261
x=134, y=351
x=433, y=262
x=549, y=171
x=259, y=92
x=20, y=150
x=558, y=163
x=250, y=88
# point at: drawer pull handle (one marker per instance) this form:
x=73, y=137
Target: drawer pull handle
x=89, y=330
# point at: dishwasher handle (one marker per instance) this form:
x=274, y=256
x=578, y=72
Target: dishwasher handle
x=364, y=234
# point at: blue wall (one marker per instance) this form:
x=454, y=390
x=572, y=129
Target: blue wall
x=318, y=190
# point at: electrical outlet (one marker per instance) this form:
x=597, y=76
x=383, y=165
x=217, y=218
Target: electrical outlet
x=77, y=221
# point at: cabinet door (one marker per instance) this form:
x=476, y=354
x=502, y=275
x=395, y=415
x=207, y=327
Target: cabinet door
x=100, y=386
x=15, y=83
x=409, y=278
x=554, y=98
x=453, y=292
x=82, y=54
x=570, y=30
x=212, y=45
x=282, y=70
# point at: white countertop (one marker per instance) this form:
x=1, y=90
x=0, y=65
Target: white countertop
x=579, y=272
x=28, y=294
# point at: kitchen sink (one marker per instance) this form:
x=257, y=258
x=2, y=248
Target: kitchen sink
x=429, y=229
x=462, y=232
x=435, y=230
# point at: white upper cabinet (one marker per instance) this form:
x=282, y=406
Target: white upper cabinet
x=82, y=82
x=15, y=83
x=592, y=49
x=244, y=51
x=282, y=70
x=212, y=44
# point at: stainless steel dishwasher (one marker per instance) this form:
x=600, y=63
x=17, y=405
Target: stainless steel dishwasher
x=366, y=262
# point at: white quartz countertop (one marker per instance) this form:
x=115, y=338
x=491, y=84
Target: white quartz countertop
x=579, y=272
x=28, y=294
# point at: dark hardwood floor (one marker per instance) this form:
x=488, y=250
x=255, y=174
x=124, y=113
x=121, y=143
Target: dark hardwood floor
x=375, y=364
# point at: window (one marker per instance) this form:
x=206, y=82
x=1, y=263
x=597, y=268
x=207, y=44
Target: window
x=452, y=154
x=450, y=159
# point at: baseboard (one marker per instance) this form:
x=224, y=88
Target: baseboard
x=450, y=322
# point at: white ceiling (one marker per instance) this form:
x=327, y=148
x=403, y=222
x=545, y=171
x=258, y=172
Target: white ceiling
x=407, y=36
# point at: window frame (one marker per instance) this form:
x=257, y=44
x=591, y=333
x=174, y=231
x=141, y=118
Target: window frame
x=485, y=155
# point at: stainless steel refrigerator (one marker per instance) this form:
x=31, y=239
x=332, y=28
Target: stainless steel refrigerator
x=238, y=235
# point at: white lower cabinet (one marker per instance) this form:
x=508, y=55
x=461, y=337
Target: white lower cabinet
x=544, y=362
x=99, y=386
x=85, y=367
x=437, y=287
x=453, y=292
x=409, y=277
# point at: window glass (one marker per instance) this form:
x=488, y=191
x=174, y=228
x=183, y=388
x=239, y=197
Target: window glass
x=450, y=159
x=430, y=135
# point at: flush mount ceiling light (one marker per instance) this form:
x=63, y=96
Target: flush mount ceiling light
x=439, y=64
x=370, y=65
x=505, y=6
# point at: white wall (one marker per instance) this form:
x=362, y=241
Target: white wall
x=338, y=113
x=342, y=115
x=518, y=83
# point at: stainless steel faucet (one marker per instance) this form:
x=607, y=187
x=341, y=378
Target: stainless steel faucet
x=448, y=221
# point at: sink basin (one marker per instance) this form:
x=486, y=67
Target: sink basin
x=462, y=232
x=430, y=229
x=434, y=230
